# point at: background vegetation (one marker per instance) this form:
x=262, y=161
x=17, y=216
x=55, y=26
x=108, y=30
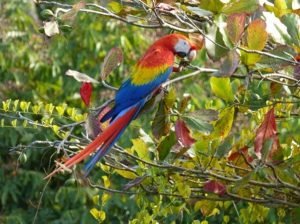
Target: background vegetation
x=222, y=146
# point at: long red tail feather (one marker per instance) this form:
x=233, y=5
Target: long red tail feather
x=105, y=137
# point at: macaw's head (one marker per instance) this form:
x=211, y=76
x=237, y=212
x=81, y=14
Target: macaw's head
x=180, y=45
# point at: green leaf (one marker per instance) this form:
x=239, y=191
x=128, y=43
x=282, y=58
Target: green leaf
x=198, y=11
x=165, y=145
x=292, y=23
x=212, y=5
x=224, y=147
x=221, y=87
x=239, y=6
x=198, y=124
x=214, y=43
x=161, y=125
x=204, y=115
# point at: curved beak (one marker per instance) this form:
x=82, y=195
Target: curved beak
x=192, y=55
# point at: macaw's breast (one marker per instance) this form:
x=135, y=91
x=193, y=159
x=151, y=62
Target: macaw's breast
x=156, y=62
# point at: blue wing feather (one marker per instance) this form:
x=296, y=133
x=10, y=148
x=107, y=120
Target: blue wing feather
x=129, y=94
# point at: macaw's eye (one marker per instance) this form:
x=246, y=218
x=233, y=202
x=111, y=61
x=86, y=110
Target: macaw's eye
x=181, y=54
x=192, y=55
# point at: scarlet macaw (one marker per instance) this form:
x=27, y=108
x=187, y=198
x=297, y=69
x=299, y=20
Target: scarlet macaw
x=151, y=71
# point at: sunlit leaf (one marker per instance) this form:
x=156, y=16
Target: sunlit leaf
x=112, y=60
x=213, y=6
x=99, y=215
x=141, y=148
x=81, y=77
x=24, y=106
x=183, y=189
x=221, y=87
x=235, y=26
x=276, y=29
x=239, y=6
x=106, y=181
x=126, y=174
x=170, y=97
x=257, y=35
x=223, y=126
x=51, y=28
x=198, y=11
x=86, y=90
x=292, y=23
x=116, y=7
x=183, y=134
x=214, y=43
x=205, y=206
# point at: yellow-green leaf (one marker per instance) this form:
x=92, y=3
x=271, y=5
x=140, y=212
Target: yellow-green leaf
x=106, y=181
x=257, y=35
x=16, y=103
x=105, y=197
x=14, y=123
x=6, y=104
x=24, y=106
x=221, y=87
x=238, y=6
x=116, y=7
x=141, y=148
x=61, y=109
x=55, y=129
x=99, y=215
x=126, y=174
x=223, y=126
x=49, y=108
x=170, y=97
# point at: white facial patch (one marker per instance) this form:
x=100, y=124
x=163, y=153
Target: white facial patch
x=182, y=46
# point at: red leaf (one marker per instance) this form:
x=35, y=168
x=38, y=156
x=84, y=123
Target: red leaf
x=235, y=156
x=86, y=92
x=235, y=26
x=267, y=130
x=183, y=134
x=214, y=186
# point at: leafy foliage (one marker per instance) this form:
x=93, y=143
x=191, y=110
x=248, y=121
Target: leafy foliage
x=218, y=147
